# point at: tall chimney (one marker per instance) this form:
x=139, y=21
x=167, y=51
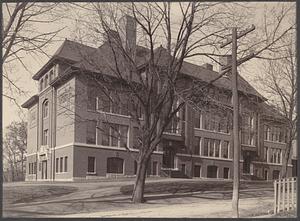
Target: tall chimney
x=225, y=60
x=127, y=25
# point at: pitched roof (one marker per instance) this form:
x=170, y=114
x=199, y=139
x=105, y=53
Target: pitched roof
x=69, y=51
x=102, y=59
x=271, y=112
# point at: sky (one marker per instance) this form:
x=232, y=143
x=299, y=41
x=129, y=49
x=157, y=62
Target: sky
x=24, y=78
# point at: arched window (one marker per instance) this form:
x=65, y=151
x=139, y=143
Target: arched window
x=115, y=165
x=45, y=108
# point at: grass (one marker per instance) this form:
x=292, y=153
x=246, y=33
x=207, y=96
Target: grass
x=286, y=214
x=193, y=186
x=26, y=194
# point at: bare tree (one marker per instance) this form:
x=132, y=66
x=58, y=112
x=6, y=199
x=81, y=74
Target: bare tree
x=21, y=38
x=14, y=149
x=279, y=84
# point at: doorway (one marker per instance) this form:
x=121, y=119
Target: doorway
x=44, y=169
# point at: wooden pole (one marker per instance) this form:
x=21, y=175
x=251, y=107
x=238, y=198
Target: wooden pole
x=275, y=196
x=279, y=195
x=236, y=146
x=288, y=193
x=293, y=197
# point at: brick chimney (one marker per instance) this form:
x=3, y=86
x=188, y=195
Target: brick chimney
x=225, y=60
x=127, y=31
x=208, y=66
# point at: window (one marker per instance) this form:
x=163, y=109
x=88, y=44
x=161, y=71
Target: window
x=61, y=165
x=226, y=173
x=212, y=171
x=51, y=76
x=115, y=135
x=105, y=134
x=206, y=147
x=103, y=103
x=91, y=132
x=66, y=164
x=217, y=148
x=35, y=167
x=123, y=135
x=197, y=145
x=91, y=94
x=45, y=137
x=56, y=165
x=266, y=154
x=266, y=132
x=197, y=119
x=115, y=165
x=225, y=150
x=91, y=164
x=46, y=81
x=41, y=84
x=135, y=138
x=45, y=108
x=135, y=167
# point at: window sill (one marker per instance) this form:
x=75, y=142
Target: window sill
x=60, y=172
x=212, y=131
x=91, y=173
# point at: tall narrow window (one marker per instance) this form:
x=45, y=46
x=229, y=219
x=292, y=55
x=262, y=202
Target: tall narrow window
x=45, y=108
x=197, y=119
x=197, y=145
x=45, y=137
x=46, y=81
x=225, y=149
x=61, y=165
x=205, y=147
x=66, y=164
x=91, y=132
x=56, y=165
x=123, y=136
x=135, y=137
x=91, y=98
x=217, y=148
x=105, y=134
x=91, y=165
x=41, y=84
x=51, y=76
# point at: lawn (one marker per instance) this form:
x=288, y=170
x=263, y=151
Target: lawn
x=27, y=194
x=194, y=186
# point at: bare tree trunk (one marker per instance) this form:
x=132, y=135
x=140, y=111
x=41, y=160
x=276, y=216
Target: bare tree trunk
x=285, y=159
x=138, y=190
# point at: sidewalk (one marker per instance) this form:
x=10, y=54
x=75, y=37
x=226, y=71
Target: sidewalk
x=206, y=209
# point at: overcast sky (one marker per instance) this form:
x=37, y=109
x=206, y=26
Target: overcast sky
x=24, y=78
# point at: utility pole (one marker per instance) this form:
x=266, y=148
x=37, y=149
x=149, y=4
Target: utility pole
x=235, y=99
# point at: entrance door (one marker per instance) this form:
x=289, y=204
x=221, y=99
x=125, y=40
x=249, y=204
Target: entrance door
x=168, y=158
x=44, y=169
x=246, y=165
x=154, y=168
x=226, y=173
x=183, y=168
x=197, y=170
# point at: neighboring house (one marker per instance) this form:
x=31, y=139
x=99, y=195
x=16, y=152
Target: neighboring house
x=65, y=144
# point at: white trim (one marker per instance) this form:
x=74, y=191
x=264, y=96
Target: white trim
x=273, y=164
x=275, y=142
x=62, y=146
x=29, y=154
x=110, y=147
x=248, y=145
x=212, y=131
x=174, y=134
x=205, y=157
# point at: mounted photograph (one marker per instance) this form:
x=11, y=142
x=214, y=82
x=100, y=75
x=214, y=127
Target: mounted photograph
x=149, y=109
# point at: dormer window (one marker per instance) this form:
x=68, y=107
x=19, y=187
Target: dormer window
x=45, y=108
